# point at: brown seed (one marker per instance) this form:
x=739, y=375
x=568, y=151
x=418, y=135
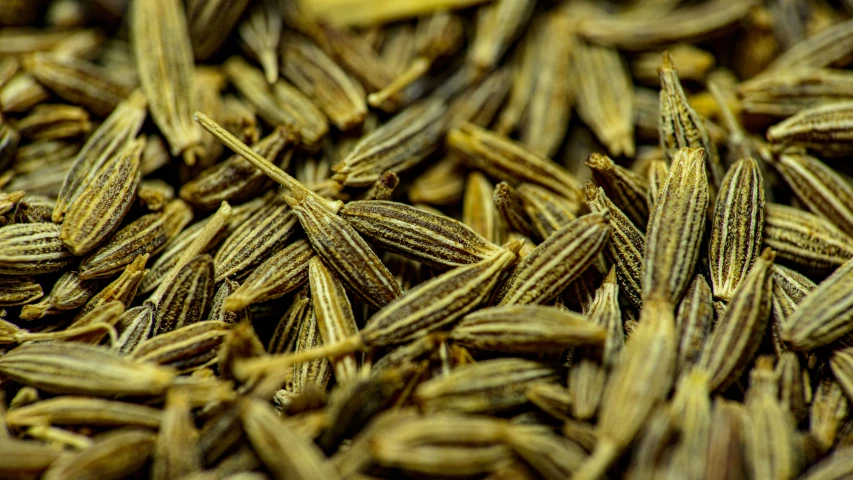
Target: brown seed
x=736, y=336
x=693, y=322
x=278, y=275
x=99, y=209
x=334, y=315
x=109, y=139
x=396, y=146
x=68, y=293
x=186, y=348
x=186, y=296
x=147, y=234
x=824, y=315
x=555, y=263
x=737, y=229
x=628, y=190
x=676, y=228
x=805, y=239
x=71, y=410
x=411, y=232
x=18, y=290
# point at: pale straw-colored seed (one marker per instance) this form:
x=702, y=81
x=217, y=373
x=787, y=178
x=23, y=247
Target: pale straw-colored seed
x=554, y=88
x=76, y=368
x=122, y=289
x=26, y=458
x=164, y=59
x=54, y=122
x=546, y=211
x=278, y=102
x=443, y=183
x=176, y=451
x=789, y=290
x=691, y=412
x=504, y=159
x=260, y=33
x=480, y=103
x=556, y=262
x=823, y=128
x=283, y=452
x=676, y=227
x=693, y=64
x=497, y=25
x=73, y=410
x=68, y=293
x=525, y=329
x=209, y=23
x=478, y=210
x=154, y=194
x=113, y=455
x=553, y=456
x=769, y=429
x=134, y=326
x=512, y=213
x=32, y=249
x=553, y=399
x=322, y=80
x=819, y=50
x=794, y=384
x=738, y=332
x=636, y=386
x=785, y=93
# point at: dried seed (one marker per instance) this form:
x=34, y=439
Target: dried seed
x=154, y=194
x=787, y=92
x=819, y=50
x=186, y=348
x=235, y=179
x=18, y=290
x=737, y=229
x=161, y=44
x=681, y=126
x=283, y=452
x=209, y=23
x=113, y=455
x=546, y=211
x=591, y=366
x=627, y=189
x=186, y=296
x=443, y=183
x=478, y=210
x=805, y=239
x=334, y=315
x=266, y=231
x=555, y=263
x=822, y=128
x=635, y=387
x=26, y=458
x=525, y=329
x=693, y=64
x=793, y=385
x=278, y=102
x=32, y=249
x=78, y=81
x=53, y=122
x=509, y=206
x=134, y=327
x=824, y=315
x=552, y=456
x=147, y=234
x=675, y=227
x=605, y=96
x=483, y=387
x=497, y=25
x=828, y=409
x=554, y=88
x=506, y=160
x=99, y=209
x=736, y=336
x=641, y=32
x=76, y=368
x=411, y=232
x=396, y=146
x=693, y=323
x=626, y=246
x=276, y=276
x=318, y=77
x=122, y=289
x=108, y=140
x=479, y=104
x=68, y=293
x=820, y=188
x=21, y=93
x=789, y=289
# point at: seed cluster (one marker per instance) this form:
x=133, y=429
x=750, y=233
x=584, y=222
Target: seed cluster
x=363, y=239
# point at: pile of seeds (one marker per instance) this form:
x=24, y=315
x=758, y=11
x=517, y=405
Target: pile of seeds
x=363, y=239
